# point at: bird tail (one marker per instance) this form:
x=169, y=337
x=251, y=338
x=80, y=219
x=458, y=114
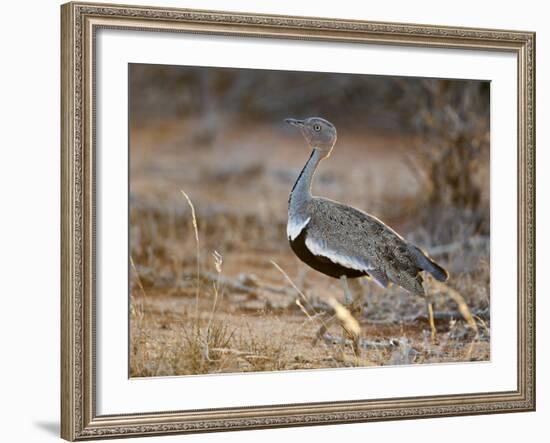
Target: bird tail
x=424, y=262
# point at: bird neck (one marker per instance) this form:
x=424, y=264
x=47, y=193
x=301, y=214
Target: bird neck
x=301, y=192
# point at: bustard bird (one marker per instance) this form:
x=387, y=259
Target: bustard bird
x=344, y=242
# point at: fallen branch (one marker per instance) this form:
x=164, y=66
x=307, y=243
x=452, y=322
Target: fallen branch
x=244, y=284
x=445, y=316
x=449, y=248
x=238, y=352
x=391, y=343
x=439, y=316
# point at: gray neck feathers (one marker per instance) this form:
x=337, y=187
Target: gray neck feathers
x=301, y=192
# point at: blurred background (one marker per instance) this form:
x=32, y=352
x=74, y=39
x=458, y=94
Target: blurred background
x=411, y=151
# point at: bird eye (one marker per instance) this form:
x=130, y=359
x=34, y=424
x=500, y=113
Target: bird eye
x=317, y=128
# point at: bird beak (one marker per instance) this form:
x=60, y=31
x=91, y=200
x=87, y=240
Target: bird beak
x=294, y=122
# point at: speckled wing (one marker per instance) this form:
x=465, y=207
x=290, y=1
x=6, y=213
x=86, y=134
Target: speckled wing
x=357, y=240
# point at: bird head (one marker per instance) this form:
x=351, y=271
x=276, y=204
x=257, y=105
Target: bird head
x=319, y=133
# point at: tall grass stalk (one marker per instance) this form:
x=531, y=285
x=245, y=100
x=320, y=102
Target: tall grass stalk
x=138, y=279
x=196, y=230
x=218, y=260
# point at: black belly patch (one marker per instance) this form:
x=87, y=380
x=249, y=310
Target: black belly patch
x=321, y=264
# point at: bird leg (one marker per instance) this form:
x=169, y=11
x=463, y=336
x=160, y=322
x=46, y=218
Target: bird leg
x=431, y=319
x=351, y=304
x=357, y=304
x=325, y=324
x=348, y=300
x=348, y=296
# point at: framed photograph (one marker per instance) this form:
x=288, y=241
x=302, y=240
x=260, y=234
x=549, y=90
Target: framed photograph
x=277, y=221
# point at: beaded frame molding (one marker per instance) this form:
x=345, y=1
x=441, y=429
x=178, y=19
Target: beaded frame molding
x=79, y=23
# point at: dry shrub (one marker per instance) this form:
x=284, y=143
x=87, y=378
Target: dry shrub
x=200, y=350
x=452, y=121
x=263, y=351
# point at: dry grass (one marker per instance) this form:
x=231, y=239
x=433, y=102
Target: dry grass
x=207, y=298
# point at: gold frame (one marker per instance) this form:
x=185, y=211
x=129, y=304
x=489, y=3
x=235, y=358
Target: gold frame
x=79, y=22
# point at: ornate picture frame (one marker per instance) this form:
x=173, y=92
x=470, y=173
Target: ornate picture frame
x=80, y=22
